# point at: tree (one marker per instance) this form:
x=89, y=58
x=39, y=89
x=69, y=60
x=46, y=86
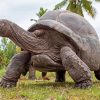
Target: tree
x=8, y=47
x=77, y=6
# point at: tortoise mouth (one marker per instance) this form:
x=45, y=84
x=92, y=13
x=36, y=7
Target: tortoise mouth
x=5, y=28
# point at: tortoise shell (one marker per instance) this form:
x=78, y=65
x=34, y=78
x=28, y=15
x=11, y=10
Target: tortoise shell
x=78, y=32
x=72, y=25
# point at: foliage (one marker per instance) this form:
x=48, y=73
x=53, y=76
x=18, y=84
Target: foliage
x=41, y=12
x=18, y=49
x=7, y=50
x=77, y=6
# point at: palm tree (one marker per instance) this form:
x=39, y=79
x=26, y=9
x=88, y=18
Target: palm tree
x=41, y=12
x=77, y=6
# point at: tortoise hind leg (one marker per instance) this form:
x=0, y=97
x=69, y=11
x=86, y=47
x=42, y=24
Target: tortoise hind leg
x=44, y=77
x=60, y=76
x=97, y=74
x=32, y=73
x=76, y=68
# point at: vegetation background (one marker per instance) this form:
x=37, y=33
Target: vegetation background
x=47, y=90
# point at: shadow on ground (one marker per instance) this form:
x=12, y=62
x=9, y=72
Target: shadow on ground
x=47, y=84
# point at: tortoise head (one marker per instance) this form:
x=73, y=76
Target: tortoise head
x=5, y=28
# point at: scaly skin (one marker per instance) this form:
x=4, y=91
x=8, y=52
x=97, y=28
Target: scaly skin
x=65, y=45
x=70, y=61
x=32, y=73
x=15, y=68
x=74, y=65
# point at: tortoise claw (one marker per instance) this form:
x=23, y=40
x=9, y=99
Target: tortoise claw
x=84, y=84
x=7, y=84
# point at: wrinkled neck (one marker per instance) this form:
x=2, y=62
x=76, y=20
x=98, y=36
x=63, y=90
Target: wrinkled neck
x=18, y=35
x=26, y=40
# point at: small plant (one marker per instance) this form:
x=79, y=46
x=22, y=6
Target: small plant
x=41, y=12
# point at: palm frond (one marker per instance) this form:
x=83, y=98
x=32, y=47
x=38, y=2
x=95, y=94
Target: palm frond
x=75, y=7
x=87, y=5
x=79, y=10
x=71, y=6
x=41, y=12
x=60, y=5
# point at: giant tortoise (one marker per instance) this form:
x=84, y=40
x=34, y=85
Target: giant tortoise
x=59, y=41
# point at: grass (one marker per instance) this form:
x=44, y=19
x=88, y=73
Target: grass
x=49, y=90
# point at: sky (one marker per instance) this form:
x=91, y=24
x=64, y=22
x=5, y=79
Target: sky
x=21, y=11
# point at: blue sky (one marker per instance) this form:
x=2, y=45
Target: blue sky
x=21, y=11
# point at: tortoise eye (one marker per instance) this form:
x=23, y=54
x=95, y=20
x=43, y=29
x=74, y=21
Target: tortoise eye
x=39, y=33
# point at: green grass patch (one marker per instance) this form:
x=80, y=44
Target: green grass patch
x=49, y=90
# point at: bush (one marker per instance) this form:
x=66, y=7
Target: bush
x=7, y=50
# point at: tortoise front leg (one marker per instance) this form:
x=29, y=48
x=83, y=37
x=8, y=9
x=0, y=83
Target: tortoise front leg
x=77, y=69
x=14, y=69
